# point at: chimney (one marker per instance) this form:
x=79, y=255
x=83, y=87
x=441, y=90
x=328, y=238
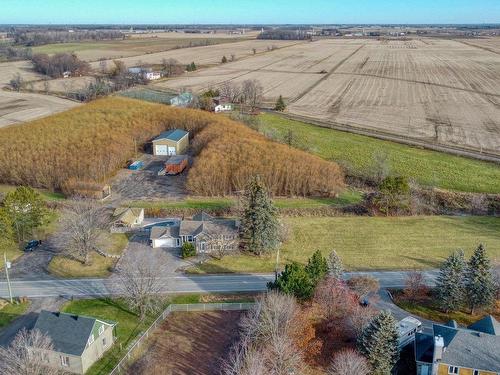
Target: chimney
x=438, y=348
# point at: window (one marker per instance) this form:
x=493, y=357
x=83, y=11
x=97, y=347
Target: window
x=452, y=370
x=64, y=361
x=91, y=339
x=101, y=330
x=104, y=342
x=190, y=238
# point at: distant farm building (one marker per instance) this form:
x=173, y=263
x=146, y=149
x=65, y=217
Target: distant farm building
x=146, y=73
x=172, y=142
x=223, y=108
x=182, y=100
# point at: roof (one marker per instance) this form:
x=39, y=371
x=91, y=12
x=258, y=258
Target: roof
x=214, y=227
x=127, y=215
x=163, y=232
x=69, y=333
x=471, y=348
x=182, y=100
x=487, y=325
x=173, y=135
x=176, y=159
x=203, y=216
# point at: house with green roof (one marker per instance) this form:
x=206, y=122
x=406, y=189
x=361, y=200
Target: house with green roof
x=451, y=349
x=78, y=341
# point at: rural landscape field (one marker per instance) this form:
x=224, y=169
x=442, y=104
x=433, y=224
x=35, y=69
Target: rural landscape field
x=442, y=91
x=213, y=188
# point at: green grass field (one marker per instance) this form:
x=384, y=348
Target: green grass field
x=374, y=243
x=11, y=311
x=345, y=198
x=356, y=152
x=64, y=267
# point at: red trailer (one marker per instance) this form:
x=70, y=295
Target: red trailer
x=176, y=164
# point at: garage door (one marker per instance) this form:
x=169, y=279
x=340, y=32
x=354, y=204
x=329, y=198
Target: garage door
x=165, y=242
x=161, y=150
x=171, y=150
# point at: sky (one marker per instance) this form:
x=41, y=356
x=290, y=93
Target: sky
x=248, y=11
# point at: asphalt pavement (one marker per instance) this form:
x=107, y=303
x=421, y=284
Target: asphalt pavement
x=177, y=284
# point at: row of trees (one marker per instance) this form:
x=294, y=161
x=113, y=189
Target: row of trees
x=55, y=65
x=462, y=283
x=37, y=38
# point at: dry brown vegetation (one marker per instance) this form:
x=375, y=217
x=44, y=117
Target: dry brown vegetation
x=231, y=153
x=438, y=90
x=92, y=142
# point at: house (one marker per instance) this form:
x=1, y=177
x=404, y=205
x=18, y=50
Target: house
x=66, y=74
x=171, y=142
x=204, y=231
x=78, y=341
x=128, y=217
x=223, y=107
x=182, y=100
x=450, y=349
x=146, y=73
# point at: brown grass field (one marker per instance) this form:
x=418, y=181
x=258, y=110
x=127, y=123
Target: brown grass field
x=202, y=55
x=437, y=90
x=189, y=344
x=9, y=69
x=20, y=107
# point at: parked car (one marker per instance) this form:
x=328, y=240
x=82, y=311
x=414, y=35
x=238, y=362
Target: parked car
x=32, y=245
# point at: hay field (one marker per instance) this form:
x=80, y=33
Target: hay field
x=203, y=55
x=20, y=107
x=437, y=90
x=110, y=49
x=176, y=35
x=63, y=85
x=9, y=69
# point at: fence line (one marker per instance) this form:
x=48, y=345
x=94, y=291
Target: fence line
x=190, y=307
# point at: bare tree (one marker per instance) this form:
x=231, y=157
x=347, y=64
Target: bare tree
x=282, y=357
x=140, y=283
x=219, y=246
x=244, y=359
x=82, y=225
x=252, y=93
x=27, y=355
x=358, y=318
x=363, y=285
x=17, y=82
x=334, y=298
x=103, y=66
x=230, y=91
x=271, y=316
x=349, y=362
x=415, y=286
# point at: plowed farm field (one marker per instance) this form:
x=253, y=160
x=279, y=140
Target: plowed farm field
x=440, y=91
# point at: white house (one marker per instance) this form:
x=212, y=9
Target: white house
x=151, y=76
x=223, y=108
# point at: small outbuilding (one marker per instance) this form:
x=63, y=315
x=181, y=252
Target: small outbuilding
x=223, y=108
x=128, y=217
x=172, y=142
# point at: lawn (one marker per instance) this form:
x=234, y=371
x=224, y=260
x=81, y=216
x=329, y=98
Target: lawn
x=356, y=152
x=11, y=311
x=48, y=195
x=345, y=198
x=373, y=243
x=428, y=308
x=64, y=267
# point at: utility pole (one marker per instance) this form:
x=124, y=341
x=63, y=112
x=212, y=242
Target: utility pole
x=7, y=274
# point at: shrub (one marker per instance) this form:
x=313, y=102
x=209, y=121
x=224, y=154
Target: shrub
x=188, y=250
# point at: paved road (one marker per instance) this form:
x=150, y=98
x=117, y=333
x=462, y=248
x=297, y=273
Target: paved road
x=175, y=284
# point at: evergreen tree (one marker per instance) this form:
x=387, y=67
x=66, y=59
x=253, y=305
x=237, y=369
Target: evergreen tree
x=294, y=280
x=479, y=285
x=259, y=224
x=224, y=59
x=450, y=282
x=7, y=233
x=316, y=267
x=335, y=266
x=280, y=104
x=379, y=342
x=193, y=66
x=26, y=210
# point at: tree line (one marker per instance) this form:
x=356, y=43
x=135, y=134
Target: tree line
x=37, y=38
x=55, y=65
